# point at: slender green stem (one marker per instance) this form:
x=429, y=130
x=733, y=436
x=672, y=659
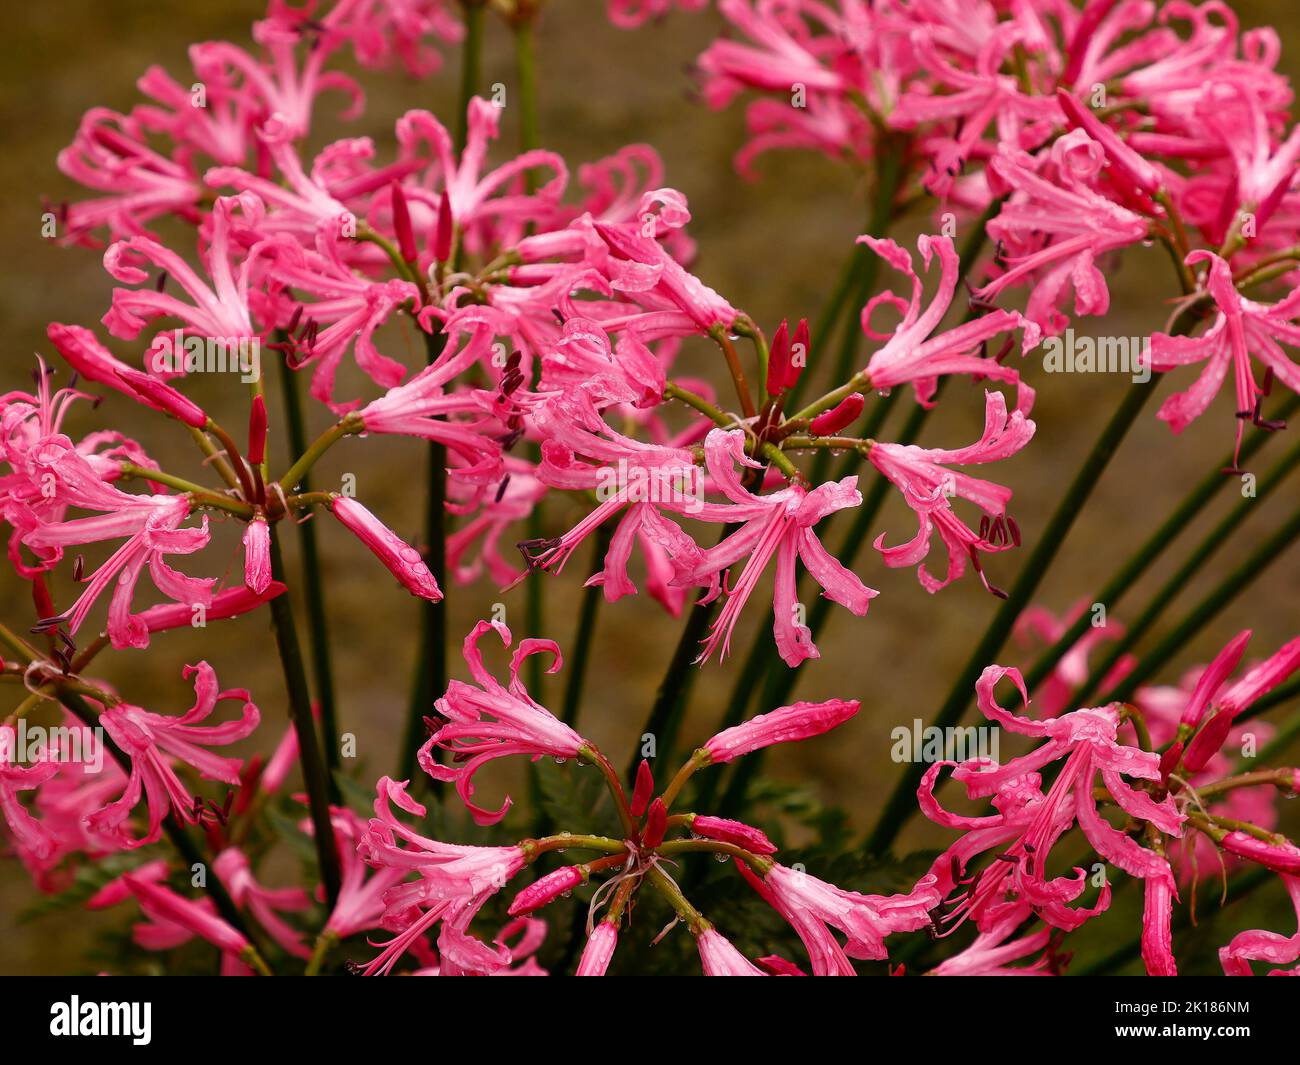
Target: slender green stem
x=430, y=679
x=669, y=706
x=314, y=589
x=580, y=653
x=1232, y=585
x=304, y=726
x=471, y=61
x=526, y=72
x=201, y=496
x=1146, y=555
x=325, y=944
x=294, y=475
x=1179, y=580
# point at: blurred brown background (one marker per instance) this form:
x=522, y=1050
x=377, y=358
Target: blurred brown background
x=773, y=248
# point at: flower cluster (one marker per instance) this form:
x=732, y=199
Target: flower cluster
x=533, y=328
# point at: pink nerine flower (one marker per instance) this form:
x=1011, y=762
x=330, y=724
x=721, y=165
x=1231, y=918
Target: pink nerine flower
x=424, y=407
x=264, y=903
x=778, y=525
x=1077, y=223
x=175, y=919
x=32, y=838
x=403, y=561
x=219, y=310
x=485, y=721
x=151, y=526
x=151, y=741
x=1157, y=938
x=929, y=490
x=1264, y=946
x=786, y=724
x=867, y=920
x=455, y=881
x=360, y=905
x=1241, y=328
x=911, y=354
x=1031, y=823
x=720, y=958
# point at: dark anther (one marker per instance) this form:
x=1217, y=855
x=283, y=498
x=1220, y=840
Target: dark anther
x=501, y=488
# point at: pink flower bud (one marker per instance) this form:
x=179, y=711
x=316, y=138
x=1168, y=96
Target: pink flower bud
x=843, y=413
x=257, y=432
x=775, y=965
x=734, y=832
x=598, y=951
x=162, y=397
x=228, y=603
x=402, y=560
x=257, y=556
x=1127, y=166
x=656, y=823
x=445, y=230
x=720, y=958
x=778, y=359
x=546, y=889
x=783, y=725
x=402, y=225
x=1094, y=12
x=1281, y=858
x=1206, y=743
x=645, y=786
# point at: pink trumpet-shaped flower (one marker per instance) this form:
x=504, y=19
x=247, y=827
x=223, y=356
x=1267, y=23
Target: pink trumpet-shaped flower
x=720, y=958
x=402, y=560
x=786, y=724
x=778, y=525
x=151, y=741
x=929, y=489
x=825, y=954
x=1241, y=328
x=485, y=721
